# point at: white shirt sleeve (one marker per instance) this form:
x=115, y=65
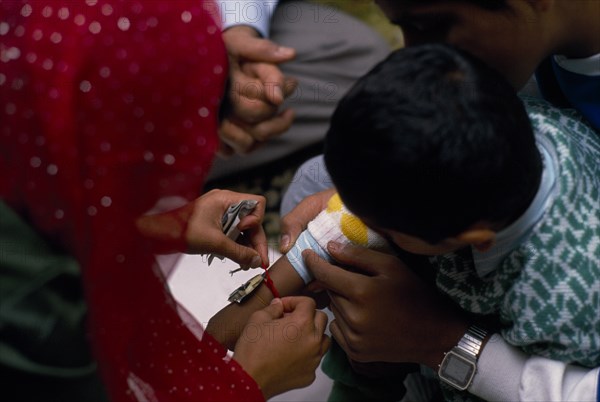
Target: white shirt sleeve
x=506, y=373
x=589, y=66
x=255, y=13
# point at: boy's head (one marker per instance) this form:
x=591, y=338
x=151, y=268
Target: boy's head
x=513, y=36
x=433, y=144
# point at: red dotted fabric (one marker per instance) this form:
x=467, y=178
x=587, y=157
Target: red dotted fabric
x=107, y=107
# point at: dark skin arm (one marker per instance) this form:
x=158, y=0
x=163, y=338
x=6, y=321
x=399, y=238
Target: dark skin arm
x=227, y=325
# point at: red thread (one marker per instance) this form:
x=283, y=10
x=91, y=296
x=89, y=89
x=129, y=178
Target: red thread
x=269, y=282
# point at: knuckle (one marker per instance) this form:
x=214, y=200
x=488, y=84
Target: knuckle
x=225, y=133
x=286, y=221
x=259, y=316
x=263, y=45
x=311, y=303
x=352, y=351
x=355, y=323
x=261, y=134
x=242, y=144
x=357, y=252
x=319, y=314
x=313, y=261
x=360, y=293
x=304, y=321
x=261, y=199
x=357, y=347
x=289, y=223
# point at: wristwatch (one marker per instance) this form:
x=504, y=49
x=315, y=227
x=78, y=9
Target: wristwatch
x=460, y=364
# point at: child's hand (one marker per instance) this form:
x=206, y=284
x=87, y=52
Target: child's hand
x=282, y=345
x=296, y=221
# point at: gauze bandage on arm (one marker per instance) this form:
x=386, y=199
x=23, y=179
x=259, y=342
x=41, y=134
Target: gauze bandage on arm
x=336, y=224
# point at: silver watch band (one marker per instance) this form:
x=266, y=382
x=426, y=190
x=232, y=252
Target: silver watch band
x=472, y=341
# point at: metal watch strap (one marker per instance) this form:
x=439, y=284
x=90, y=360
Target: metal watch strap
x=459, y=365
x=472, y=341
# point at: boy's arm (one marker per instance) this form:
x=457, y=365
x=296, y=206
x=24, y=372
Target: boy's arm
x=290, y=273
x=226, y=326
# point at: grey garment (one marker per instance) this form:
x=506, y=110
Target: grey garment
x=311, y=177
x=333, y=50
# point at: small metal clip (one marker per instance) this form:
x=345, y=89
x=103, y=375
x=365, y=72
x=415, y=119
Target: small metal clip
x=231, y=219
x=246, y=289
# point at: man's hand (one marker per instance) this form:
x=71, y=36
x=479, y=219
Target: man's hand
x=258, y=88
x=282, y=345
x=386, y=314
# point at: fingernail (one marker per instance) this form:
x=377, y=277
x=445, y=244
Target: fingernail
x=284, y=241
x=334, y=246
x=276, y=301
x=278, y=92
x=284, y=51
x=256, y=262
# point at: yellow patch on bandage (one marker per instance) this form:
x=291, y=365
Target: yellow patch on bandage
x=354, y=229
x=334, y=204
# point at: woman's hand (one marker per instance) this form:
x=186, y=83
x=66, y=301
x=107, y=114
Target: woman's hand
x=204, y=233
x=283, y=344
x=196, y=228
x=386, y=314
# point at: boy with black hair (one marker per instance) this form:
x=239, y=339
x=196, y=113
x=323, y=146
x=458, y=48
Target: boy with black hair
x=438, y=123
x=510, y=216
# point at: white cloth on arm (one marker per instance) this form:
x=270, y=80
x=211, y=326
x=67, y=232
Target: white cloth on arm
x=305, y=241
x=335, y=224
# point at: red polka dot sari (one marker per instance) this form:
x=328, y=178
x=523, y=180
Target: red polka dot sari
x=107, y=108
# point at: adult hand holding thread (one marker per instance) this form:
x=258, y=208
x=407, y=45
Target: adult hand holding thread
x=282, y=344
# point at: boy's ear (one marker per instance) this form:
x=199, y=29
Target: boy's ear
x=480, y=238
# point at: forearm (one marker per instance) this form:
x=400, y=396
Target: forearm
x=165, y=232
x=506, y=373
x=228, y=324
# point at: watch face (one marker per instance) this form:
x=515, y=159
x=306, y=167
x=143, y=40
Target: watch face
x=457, y=370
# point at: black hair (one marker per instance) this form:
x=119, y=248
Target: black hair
x=432, y=141
x=487, y=4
